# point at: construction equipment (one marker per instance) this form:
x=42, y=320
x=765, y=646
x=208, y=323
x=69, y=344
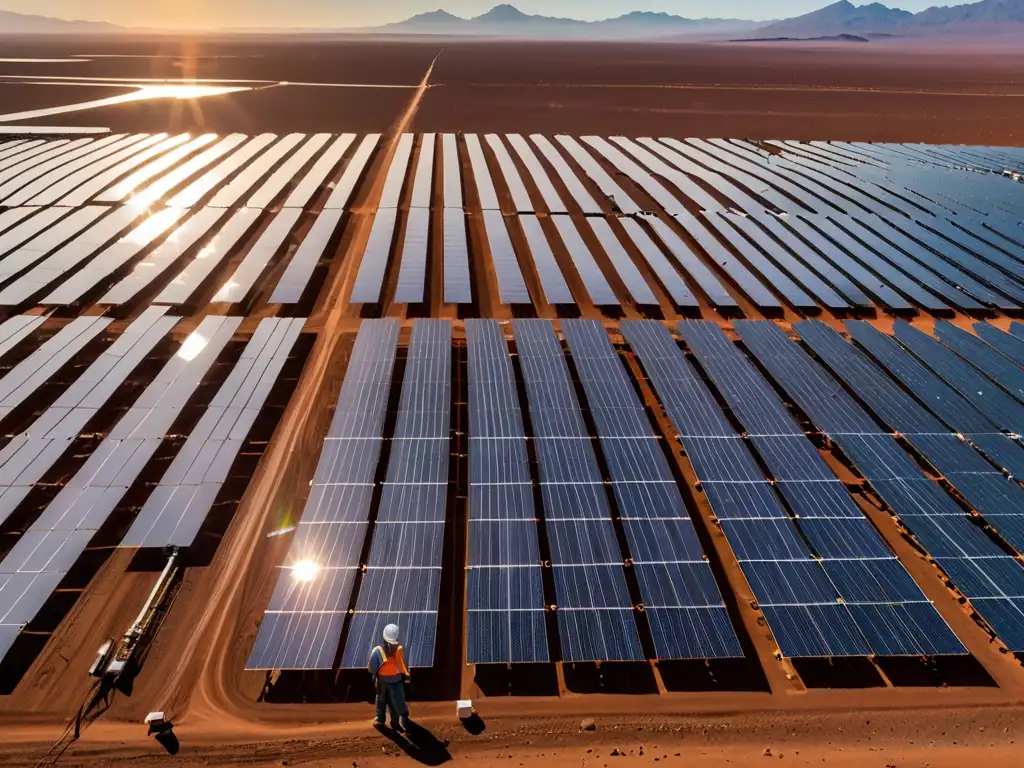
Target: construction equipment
x=137, y=634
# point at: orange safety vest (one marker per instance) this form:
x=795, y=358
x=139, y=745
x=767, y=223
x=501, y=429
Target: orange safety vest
x=393, y=666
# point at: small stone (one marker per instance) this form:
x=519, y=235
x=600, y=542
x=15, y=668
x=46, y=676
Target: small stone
x=615, y=752
x=767, y=752
x=588, y=725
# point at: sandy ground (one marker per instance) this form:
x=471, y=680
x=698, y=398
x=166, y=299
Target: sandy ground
x=878, y=92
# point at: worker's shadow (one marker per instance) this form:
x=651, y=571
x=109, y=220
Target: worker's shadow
x=165, y=736
x=419, y=744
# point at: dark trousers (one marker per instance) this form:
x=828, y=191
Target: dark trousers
x=391, y=694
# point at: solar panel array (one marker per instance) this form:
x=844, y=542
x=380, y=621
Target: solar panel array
x=51, y=545
x=505, y=593
x=974, y=562
x=100, y=229
x=823, y=523
x=682, y=602
x=302, y=626
x=834, y=225
x=595, y=612
x=402, y=579
x=176, y=509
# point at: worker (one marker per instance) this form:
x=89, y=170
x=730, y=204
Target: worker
x=387, y=665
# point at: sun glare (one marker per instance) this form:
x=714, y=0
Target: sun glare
x=192, y=346
x=305, y=570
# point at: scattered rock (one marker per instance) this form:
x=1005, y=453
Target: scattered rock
x=588, y=725
x=284, y=762
x=615, y=752
x=767, y=752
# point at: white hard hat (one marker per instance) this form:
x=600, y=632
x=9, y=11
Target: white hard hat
x=391, y=634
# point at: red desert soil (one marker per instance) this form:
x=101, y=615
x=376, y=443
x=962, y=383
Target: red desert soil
x=878, y=92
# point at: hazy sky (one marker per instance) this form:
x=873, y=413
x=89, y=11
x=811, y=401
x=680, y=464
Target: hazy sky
x=206, y=13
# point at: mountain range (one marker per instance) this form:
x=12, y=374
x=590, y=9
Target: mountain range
x=507, y=20
x=841, y=21
x=988, y=17
x=22, y=24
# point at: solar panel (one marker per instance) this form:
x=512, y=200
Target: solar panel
x=776, y=168
x=730, y=161
x=12, y=166
x=254, y=171
x=177, y=507
x=451, y=171
x=737, y=491
x=181, y=289
x=511, y=284
x=484, y=185
x=668, y=202
x=520, y=197
x=341, y=197
x=64, y=529
x=17, y=231
x=89, y=165
x=679, y=583
x=540, y=177
x=179, y=173
x=318, y=172
x=14, y=329
x=719, y=254
x=981, y=484
x=15, y=177
x=146, y=165
x=755, y=184
x=290, y=168
x=866, y=280
x=262, y=252
x=613, y=192
x=21, y=382
x=781, y=281
x=333, y=524
x=594, y=610
x=624, y=267
x=403, y=570
x=931, y=516
x=99, y=268
x=873, y=229
x=893, y=271
x=980, y=271
x=370, y=278
x=247, y=156
x=982, y=356
x=1007, y=344
x=680, y=181
x=981, y=392
x=567, y=176
x=556, y=291
x=826, y=294
x=54, y=233
x=601, y=293
x=846, y=543
x=505, y=593
x=186, y=237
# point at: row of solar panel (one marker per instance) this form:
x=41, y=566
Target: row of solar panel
x=899, y=249
x=176, y=509
x=824, y=578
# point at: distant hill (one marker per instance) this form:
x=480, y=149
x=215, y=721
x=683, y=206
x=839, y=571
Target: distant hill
x=988, y=17
x=19, y=23
x=509, y=21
